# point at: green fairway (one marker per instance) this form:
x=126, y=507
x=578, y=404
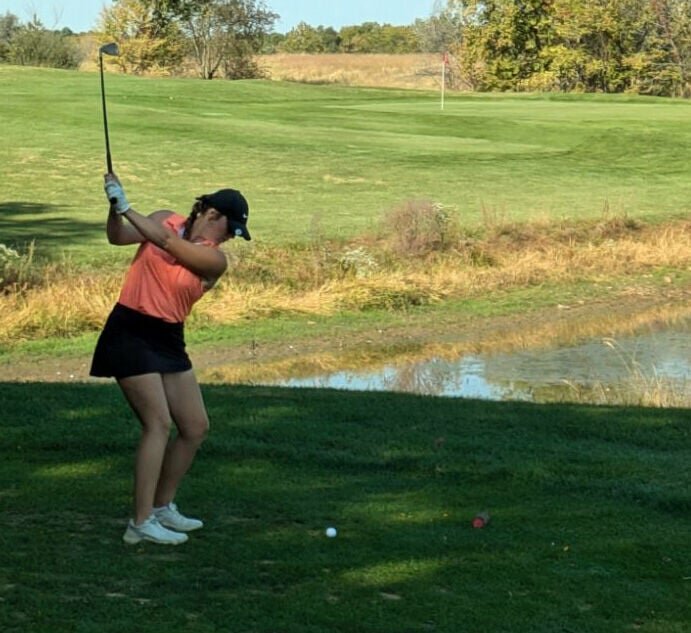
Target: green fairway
x=589, y=531
x=339, y=155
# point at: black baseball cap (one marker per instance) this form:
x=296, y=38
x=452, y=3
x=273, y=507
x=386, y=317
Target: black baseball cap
x=232, y=204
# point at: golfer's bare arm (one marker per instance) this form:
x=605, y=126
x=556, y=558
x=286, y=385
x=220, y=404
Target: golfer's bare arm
x=204, y=261
x=120, y=232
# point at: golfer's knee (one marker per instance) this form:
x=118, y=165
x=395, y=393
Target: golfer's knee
x=157, y=425
x=196, y=431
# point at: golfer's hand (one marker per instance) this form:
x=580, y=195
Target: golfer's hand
x=115, y=194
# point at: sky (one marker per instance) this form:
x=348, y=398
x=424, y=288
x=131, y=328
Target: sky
x=81, y=15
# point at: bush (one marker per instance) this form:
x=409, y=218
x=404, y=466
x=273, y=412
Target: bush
x=147, y=45
x=9, y=25
x=15, y=268
x=420, y=227
x=358, y=262
x=32, y=45
x=243, y=67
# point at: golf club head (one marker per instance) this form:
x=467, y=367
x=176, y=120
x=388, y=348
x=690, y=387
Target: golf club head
x=109, y=49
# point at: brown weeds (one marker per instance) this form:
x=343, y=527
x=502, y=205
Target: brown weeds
x=641, y=387
x=388, y=271
x=420, y=227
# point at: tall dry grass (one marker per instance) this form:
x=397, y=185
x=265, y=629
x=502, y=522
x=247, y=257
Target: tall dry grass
x=641, y=388
x=310, y=281
x=372, y=272
x=420, y=71
x=413, y=71
x=16, y=268
x=63, y=304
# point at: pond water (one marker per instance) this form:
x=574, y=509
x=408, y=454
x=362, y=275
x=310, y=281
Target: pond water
x=650, y=358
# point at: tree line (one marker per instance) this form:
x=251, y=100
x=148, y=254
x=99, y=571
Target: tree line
x=368, y=37
x=638, y=46
x=31, y=44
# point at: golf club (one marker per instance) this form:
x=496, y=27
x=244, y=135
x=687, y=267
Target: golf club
x=106, y=49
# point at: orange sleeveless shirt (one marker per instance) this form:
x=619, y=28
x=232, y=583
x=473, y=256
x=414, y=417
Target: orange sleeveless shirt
x=157, y=285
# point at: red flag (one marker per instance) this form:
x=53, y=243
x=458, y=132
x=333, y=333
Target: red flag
x=446, y=59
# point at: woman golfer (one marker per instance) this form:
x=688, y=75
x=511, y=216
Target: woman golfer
x=142, y=344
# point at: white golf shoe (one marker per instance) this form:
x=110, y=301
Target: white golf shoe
x=170, y=517
x=151, y=530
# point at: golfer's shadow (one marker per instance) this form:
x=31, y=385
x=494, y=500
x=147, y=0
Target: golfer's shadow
x=24, y=222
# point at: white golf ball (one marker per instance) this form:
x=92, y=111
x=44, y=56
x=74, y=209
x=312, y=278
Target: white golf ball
x=331, y=532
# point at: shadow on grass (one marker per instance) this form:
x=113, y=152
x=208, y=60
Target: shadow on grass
x=589, y=506
x=24, y=222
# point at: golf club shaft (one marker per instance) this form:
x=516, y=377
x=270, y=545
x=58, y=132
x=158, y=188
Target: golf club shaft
x=109, y=160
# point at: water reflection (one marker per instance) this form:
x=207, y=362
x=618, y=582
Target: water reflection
x=654, y=356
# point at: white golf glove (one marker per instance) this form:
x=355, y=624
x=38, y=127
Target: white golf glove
x=114, y=191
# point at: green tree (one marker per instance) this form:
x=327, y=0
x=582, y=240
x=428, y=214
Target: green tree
x=673, y=21
x=371, y=37
x=9, y=25
x=600, y=45
x=359, y=38
x=442, y=32
x=330, y=38
x=147, y=42
x=620, y=45
x=503, y=41
x=34, y=45
x=224, y=34
x=304, y=38
x=398, y=39
x=272, y=43
x=609, y=46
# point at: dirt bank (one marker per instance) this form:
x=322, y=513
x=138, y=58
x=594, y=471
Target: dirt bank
x=446, y=336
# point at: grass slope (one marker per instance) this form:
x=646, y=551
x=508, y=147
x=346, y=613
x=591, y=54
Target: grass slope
x=589, y=532
x=337, y=154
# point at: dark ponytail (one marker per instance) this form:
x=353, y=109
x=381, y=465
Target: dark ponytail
x=199, y=207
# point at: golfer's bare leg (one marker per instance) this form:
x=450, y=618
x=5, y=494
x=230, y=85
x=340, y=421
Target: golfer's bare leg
x=147, y=398
x=189, y=414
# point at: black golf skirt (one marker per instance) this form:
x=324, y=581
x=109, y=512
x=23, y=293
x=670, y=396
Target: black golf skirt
x=133, y=343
